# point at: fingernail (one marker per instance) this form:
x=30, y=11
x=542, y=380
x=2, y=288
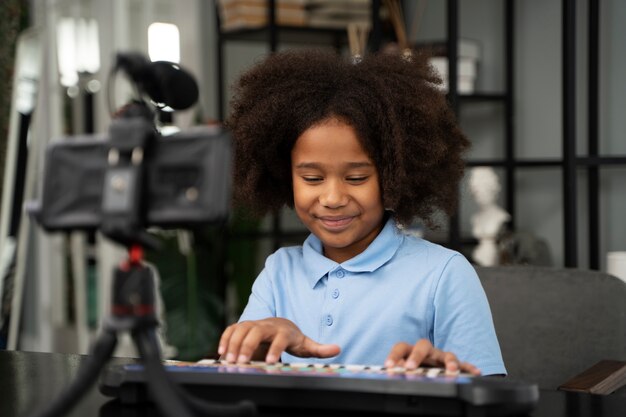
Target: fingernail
x=242, y=359
x=271, y=359
x=452, y=369
x=410, y=364
x=230, y=357
x=220, y=350
x=389, y=363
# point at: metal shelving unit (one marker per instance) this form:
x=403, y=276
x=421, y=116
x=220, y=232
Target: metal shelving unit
x=508, y=162
x=570, y=163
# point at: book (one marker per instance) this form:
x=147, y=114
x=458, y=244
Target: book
x=248, y=14
x=602, y=378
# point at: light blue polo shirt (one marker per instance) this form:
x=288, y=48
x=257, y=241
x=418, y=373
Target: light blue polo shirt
x=400, y=289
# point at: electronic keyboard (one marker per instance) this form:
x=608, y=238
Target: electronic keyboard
x=357, y=388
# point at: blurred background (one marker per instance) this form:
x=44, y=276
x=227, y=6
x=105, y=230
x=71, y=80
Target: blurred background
x=536, y=84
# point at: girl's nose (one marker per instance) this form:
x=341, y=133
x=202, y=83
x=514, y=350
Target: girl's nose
x=333, y=195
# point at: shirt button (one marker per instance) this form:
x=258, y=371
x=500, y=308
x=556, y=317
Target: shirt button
x=328, y=320
x=335, y=293
x=340, y=273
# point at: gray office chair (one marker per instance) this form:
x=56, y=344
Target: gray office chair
x=553, y=324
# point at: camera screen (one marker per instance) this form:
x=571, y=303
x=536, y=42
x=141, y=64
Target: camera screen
x=187, y=183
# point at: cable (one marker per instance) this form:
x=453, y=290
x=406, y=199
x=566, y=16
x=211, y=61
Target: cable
x=147, y=343
x=87, y=374
x=158, y=383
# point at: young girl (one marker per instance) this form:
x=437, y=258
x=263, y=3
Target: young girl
x=357, y=149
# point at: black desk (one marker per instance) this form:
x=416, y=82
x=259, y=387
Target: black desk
x=29, y=381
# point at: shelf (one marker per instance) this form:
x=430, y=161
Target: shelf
x=581, y=161
x=518, y=163
x=238, y=34
x=591, y=161
x=482, y=97
x=292, y=34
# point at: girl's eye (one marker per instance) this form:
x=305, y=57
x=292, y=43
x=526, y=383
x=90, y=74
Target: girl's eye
x=312, y=180
x=354, y=180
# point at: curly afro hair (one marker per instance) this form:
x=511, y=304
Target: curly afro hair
x=394, y=104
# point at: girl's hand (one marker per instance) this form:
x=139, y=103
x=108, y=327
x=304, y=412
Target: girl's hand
x=267, y=339
x=424, y=353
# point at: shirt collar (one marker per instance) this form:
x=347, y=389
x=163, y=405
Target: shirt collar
x=376, y=255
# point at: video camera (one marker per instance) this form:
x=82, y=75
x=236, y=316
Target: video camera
x=134, y=177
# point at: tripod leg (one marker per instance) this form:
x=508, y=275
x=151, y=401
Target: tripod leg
x=159, y=385
x=148, y=346
x=87, y=374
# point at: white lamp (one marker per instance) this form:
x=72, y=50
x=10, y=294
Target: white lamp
x=164, y=42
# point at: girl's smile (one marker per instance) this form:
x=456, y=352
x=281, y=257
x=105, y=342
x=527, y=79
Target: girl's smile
x=336, y=224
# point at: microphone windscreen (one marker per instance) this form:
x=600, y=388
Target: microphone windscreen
x=164, y=82
x=178, y=89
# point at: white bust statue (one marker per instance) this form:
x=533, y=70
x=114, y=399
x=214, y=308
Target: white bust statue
x=487, y=222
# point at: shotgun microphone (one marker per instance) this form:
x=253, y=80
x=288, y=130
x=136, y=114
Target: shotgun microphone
x=166, y=83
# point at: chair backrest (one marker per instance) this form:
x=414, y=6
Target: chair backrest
x=552, y=324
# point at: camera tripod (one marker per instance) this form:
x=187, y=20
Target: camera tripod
x=118, y=173
x=133, y=310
